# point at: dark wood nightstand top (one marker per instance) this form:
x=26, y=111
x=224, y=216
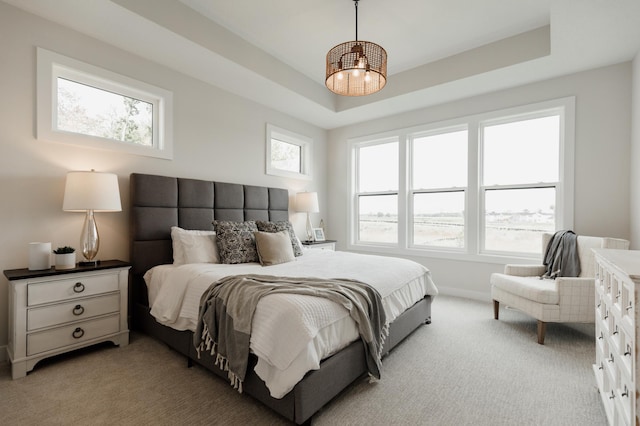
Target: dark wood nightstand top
x=24, y=273
x=312, y=243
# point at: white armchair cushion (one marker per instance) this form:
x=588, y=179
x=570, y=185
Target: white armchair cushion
x=524, y=270
x=531, y=288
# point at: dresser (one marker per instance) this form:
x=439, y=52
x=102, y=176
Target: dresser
x=56, y=311
x=617, y=274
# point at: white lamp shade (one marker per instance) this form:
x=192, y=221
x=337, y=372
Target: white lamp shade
x=91, y=191
x=307, y=202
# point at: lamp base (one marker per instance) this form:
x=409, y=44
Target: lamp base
x=89, y=263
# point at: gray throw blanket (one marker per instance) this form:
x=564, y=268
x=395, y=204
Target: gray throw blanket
x=227, y=308
x=561, y=257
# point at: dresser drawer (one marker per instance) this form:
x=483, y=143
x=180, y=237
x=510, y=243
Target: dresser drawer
x=81, y=309
x=53, y=291
x=71, y=334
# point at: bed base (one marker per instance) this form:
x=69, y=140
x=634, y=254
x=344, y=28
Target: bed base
x=318, y=387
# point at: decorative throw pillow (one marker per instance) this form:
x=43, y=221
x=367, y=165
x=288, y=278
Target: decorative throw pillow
x=193, y=246
x=236, y=242
x=283, y=225
x=274, y=247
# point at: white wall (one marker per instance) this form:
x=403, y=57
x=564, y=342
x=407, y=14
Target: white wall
x=635, y=156
x=217, y=136
x=603, y=132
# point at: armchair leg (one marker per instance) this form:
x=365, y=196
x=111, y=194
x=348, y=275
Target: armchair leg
x=496, y=309
x=542, y=328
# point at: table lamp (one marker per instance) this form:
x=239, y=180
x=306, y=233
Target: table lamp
x=91, y=192
x=307, y=202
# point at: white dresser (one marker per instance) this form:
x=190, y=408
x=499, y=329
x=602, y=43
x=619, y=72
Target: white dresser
x=617, y=273
x=51, y=312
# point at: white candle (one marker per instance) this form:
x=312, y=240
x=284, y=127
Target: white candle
x=39, y=256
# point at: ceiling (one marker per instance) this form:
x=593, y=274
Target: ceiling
x=273, y=51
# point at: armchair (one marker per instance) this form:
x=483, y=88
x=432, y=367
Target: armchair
x=565, y=299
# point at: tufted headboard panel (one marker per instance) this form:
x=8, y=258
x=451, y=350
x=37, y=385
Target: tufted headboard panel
x=160, y=202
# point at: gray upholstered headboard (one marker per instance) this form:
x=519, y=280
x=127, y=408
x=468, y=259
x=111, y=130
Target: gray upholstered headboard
x=160, y=202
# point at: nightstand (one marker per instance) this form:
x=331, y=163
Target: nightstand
x=56, y=311
x=320, y=245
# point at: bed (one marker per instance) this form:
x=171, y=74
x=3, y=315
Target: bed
x=159, y=203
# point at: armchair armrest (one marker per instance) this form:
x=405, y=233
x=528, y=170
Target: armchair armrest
x=577, y=299
x=524, y=270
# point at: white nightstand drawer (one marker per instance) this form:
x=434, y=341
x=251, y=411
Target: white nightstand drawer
x=77, y=310
x=81, y=286
x=71, y=334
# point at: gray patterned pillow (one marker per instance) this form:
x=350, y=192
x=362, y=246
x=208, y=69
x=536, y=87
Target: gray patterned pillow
x=236, y=242
x=283, y=225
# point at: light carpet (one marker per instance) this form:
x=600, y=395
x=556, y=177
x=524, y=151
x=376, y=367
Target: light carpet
x=463, y=369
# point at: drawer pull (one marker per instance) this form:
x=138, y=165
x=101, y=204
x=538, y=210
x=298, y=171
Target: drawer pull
x=78, y=288
x=628, y=352
x=626, y=392
x=77, y=333
x=610, y=359
x=78, y=310
x=613, y=395
x=615, y=332
x=630, y=306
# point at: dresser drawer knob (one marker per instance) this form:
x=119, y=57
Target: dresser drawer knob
x=78, y=288
x=78, y=333
x=78, y=310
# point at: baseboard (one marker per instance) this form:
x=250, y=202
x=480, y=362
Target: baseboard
x=467, y=294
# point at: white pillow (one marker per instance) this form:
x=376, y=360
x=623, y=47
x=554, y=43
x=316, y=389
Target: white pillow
x=191, y=246
x=274, y=247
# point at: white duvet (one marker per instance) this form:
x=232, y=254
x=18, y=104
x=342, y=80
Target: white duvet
x=291, y=334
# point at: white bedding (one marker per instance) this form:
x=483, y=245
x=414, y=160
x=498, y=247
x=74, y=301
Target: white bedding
x=287, y=349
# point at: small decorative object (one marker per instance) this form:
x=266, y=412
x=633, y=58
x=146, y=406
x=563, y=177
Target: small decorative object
x=39, y=256
x=65, y=257
x=318, y=234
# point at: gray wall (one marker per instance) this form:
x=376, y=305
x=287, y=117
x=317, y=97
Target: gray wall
x=217, y=136
x=603, y=132
x=635, y=156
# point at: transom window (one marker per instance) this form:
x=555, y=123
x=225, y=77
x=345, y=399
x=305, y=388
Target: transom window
x=484, y=185
x=88, y=106
x=288, y=153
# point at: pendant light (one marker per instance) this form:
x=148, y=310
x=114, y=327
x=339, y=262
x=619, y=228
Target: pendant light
x=356, y=68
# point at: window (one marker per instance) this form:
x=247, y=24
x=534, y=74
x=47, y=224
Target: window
x=377, y=192
x=520, y=180
x=88, y=106
x=438, y=187
x=484, y=185
x=288, y=154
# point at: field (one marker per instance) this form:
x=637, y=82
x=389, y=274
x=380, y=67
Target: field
x=508, y=233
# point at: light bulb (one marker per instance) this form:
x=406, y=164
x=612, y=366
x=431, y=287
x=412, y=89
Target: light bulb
x=356, y=72
x=361, y=63
x=339, y=76
x=367, y=76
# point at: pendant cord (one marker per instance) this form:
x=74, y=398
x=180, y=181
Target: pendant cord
x=356, y=1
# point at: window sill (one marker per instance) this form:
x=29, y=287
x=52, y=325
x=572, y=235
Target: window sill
x=447, y=255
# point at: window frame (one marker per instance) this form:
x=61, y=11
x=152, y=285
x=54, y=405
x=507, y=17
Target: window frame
x=474, y=199
x=306, y=152
x=51, y=66
x=355, y=230
x=412, y=190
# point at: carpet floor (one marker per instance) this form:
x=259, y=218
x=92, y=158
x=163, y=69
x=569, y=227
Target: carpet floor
x=463, y=369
